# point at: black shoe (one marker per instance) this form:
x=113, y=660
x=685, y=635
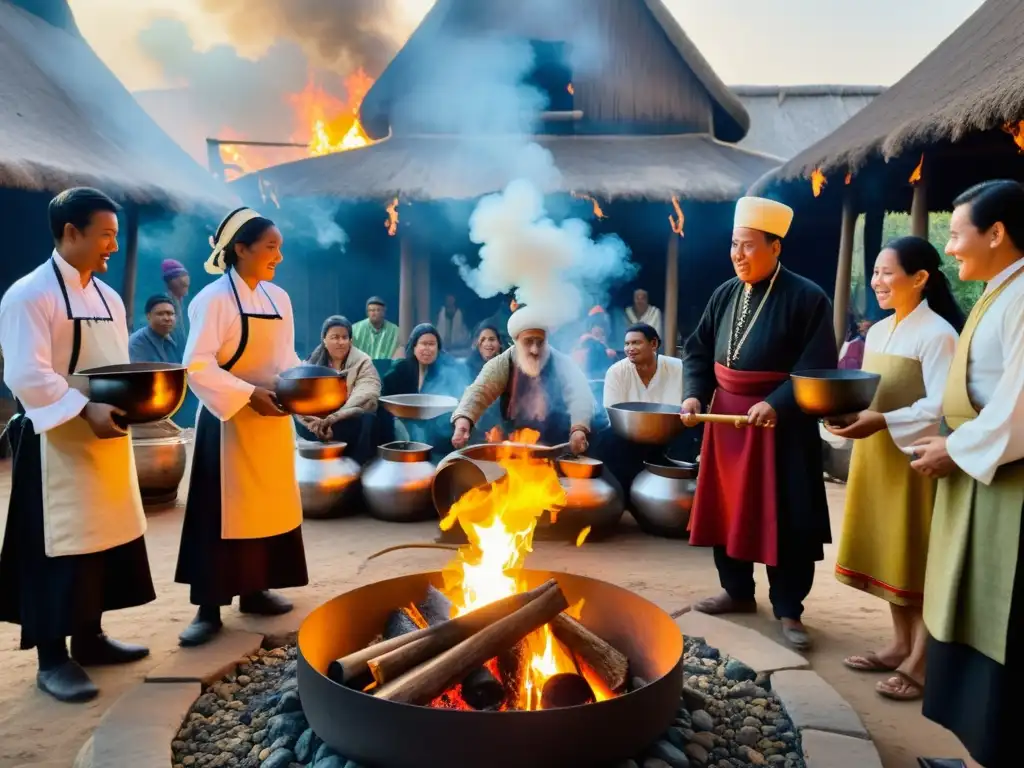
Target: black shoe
x=198, y=632
x=940, y=762
x=68, y=682
x=100, y=650
x=264, y=603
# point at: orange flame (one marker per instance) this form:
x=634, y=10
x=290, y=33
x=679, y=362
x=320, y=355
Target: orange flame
x=392, y=222
x=499, y=521
x=818, y=181
x=597, y=206
x=1016, y=130
x=915, y=175
x=677, y=222
x=849, y=178
x=512, y=306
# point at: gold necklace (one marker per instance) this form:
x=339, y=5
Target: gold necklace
x=732, y=355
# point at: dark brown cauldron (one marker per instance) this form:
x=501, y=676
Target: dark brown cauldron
x=146, y=392
x=385, y=734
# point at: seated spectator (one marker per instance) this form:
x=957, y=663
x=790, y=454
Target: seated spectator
x=375, y=335
x=154, y=342
x=851, y=355
x=426, y=369
x=452, y=326
x=487, y=344
x=355, y=422
x=592, y=352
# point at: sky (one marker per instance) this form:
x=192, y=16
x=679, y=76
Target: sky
x=869, y=42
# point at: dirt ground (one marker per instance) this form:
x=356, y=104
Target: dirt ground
x=37, y=731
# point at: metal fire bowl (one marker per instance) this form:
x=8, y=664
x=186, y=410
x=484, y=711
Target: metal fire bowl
x=834, y=392
x=146, y=392
x=311, y=390
x=384, y=734
x=646, y=423
x=418, y=407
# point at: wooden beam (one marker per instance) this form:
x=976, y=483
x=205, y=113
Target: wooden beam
x=919, y=208
x=422, y=279
x=131, y=262
x=671, y=312
x=844, y=270
x=874, y=220
x=405, y=290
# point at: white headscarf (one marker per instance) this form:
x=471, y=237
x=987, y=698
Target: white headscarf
x=215, y=264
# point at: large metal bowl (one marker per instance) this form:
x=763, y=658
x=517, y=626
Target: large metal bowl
x=646, y=423
x=311, y=390
x=418, y=407
x=146, y=392
x=834, y=392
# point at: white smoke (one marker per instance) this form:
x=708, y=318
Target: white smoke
x=328, y=233
x=555, y=267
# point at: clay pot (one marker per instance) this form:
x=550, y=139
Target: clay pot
x=161, y=454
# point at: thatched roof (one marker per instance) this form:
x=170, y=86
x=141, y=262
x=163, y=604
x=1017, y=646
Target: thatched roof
x=65, y=119
x=787, y=119
x=973, y=81
x=692, y=167
x=650, y=70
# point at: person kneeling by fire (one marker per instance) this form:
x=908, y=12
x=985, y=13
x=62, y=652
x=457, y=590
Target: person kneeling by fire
x=539, y=388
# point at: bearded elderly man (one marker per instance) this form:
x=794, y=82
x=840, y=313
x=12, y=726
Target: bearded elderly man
x=539, y=388
x=760, y=495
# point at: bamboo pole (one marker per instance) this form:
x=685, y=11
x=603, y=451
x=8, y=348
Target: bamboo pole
x=874, y=219
x=844, y=270
x=919, y=208
x=422, y=279
x=671, y=313
x=405, y=289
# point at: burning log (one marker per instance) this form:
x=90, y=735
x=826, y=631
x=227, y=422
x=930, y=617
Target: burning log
x=607, y=662
x=441, y=636
x=513, y=665
x=566, y=689
x=430, y=679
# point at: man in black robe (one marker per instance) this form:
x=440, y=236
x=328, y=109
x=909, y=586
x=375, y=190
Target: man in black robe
x=760, y=493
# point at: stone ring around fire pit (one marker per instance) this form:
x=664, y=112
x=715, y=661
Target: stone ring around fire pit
x=379, y=732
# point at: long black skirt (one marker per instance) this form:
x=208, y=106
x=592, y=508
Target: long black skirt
x=55, y=597
x=218, y=569
x=977, y=699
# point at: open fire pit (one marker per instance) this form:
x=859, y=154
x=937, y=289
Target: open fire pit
x=414, y=725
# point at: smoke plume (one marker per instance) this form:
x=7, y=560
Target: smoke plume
x=338, y=35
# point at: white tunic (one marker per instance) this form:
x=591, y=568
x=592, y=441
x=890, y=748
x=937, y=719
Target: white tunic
x=652, y=317
x=995, y=382
x=926, y=337
x=36, y=338
x=622, y=383
x=215, y=331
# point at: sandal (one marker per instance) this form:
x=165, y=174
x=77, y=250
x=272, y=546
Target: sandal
x=869, y=662
x=909, y=690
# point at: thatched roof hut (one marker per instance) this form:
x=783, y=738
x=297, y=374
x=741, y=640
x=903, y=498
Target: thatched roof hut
x=65, y=119
x=787, y=119
x=652, y=119
x=944, y=126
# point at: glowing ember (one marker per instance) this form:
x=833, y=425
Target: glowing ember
x=676, y=222
x=818, y=181
x=570, y=89
x=915, y=175
x=582, y=536
x=392, y=222
x=1016, y=130
x=597, y=206
x=849, y=178
x=499, y=522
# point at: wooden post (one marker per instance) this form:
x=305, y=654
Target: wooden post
x=671, y=313
x=844, y=269
x=422, y=279
x=131, y=262
x=919, y=209
x=874, y=219
x=405, y=290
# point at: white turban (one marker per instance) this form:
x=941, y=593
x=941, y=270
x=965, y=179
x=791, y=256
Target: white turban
x=527, y=318
x=764, y=215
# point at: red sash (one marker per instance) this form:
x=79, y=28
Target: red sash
x=735, y=505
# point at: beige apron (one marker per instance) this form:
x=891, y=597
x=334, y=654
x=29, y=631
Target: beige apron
x=258, y=489
x=91, y=499
x=975, y=530
x=884, y=546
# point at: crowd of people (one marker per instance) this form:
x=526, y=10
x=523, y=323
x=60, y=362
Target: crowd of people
x=933, y=507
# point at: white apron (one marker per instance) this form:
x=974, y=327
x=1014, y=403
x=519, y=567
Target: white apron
x=258, y=490
x=91, y=499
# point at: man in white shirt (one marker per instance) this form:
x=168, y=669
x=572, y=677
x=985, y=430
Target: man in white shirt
x=644, y=376
x=974, y=585
x=643, y=312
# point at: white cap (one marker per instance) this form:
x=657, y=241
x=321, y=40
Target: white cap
x=526, y=318
x=762, y=214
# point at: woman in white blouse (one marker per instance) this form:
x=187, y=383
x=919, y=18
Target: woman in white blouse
x=887, y=522
x=242, y=533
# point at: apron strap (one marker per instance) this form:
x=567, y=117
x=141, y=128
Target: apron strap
x=76, y=339
x=244, y=340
